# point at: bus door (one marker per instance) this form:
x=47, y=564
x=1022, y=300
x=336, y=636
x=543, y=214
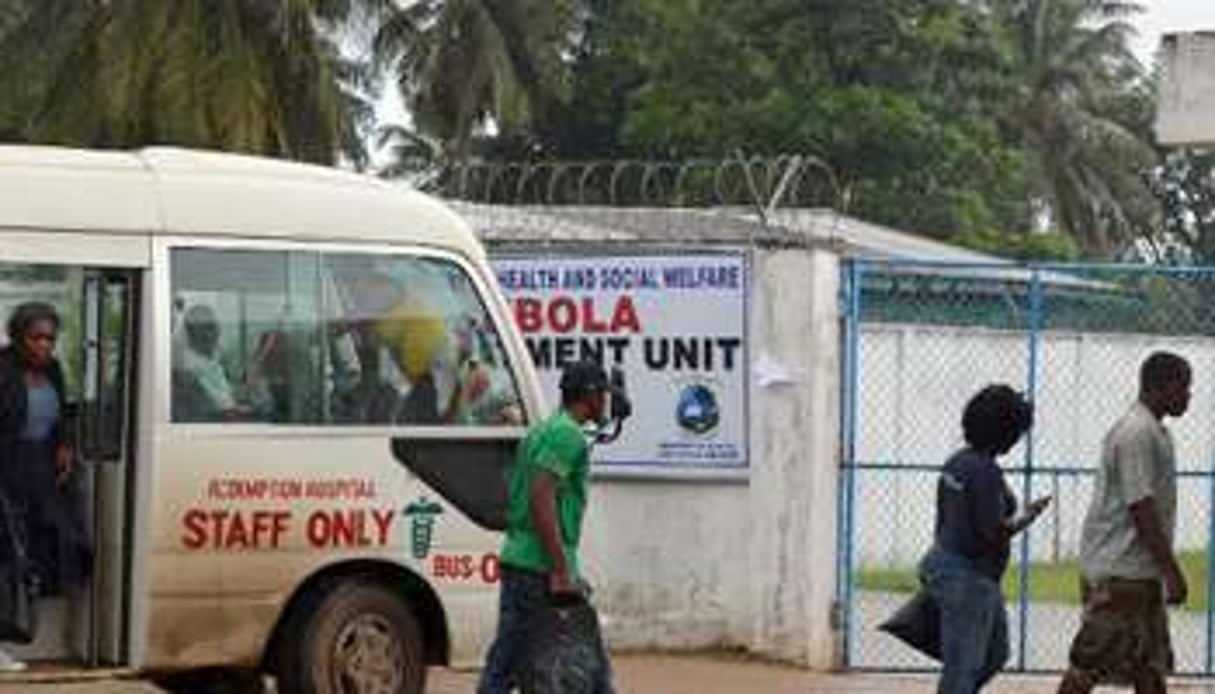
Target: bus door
x=84, y=563
x=105, y=453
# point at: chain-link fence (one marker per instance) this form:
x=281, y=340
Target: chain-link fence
x=921, y=338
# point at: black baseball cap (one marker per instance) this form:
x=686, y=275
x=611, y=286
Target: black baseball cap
x=584, y=377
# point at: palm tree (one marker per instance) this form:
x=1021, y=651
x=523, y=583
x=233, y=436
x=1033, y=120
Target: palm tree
x=462, y=65
x=408, y=155
x=1073, y=64
x=258, y=76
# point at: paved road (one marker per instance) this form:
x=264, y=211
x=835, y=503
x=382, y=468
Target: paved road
x=99, y=687
x=718, y=674
x=672, y=674
x=679, y=674
x=723, y=675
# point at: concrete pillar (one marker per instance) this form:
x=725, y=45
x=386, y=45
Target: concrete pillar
x=795, y=455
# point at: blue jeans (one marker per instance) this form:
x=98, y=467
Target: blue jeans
x=974, y=625
x=522, y=598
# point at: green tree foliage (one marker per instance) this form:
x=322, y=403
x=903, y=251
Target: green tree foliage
x=944, y=117
x=1082, y=107
x=1044, y=246
x=1185, y=184
x=408, y=154
x=938, y=116
x=463, y=65
x=258, y=76
x=899, y=97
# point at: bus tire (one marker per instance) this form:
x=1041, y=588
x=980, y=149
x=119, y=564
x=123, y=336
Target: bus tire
x=361, y=637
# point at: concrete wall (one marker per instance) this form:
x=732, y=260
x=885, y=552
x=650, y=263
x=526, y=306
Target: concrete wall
x=670, y=562
x=748, y=561
x=914, y=381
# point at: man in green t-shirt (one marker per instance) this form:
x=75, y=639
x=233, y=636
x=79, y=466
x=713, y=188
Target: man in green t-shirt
x=547, y=489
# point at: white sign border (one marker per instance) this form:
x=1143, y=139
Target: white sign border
x=652, y=469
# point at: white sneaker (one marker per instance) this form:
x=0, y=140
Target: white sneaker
x=10, y=664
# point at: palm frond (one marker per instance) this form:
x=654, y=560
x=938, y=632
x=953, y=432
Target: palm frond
x=1074, y=55
x=250, y=75
x=462, y=64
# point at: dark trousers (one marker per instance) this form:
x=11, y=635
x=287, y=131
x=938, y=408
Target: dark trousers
x=49, y=518
x=974, y=625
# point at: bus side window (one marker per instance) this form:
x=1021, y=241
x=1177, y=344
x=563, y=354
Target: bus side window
x=247, y=347
x=305, y=337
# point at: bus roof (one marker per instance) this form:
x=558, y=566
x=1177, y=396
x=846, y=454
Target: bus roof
x=197, y=193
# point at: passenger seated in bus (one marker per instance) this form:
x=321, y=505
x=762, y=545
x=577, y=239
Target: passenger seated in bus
x=482, y=391
x=269, y=380
x=473, y=396
x=484, y=395
x=453, y=375
x=399, y=360
x=370, y=399
x=201, y=390
x=415, y=336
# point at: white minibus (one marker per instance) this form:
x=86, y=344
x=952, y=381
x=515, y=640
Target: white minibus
x=292, y=393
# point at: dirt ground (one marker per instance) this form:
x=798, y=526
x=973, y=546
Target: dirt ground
x=728, y=674
x=672, y=674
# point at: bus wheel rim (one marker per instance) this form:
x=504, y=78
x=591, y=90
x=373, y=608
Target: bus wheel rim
x=368, y=657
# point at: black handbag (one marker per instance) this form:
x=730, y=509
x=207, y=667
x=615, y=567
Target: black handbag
x=918, y=624
x=18, y=582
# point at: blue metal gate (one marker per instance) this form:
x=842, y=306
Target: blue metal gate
x=920, y=338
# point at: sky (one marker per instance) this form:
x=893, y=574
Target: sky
x=1164, y=16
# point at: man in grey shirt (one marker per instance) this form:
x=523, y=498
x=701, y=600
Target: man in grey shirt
x=1126, y=549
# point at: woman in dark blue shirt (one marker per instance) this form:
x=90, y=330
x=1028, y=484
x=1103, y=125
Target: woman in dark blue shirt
x=974, y=521
x=35, y=455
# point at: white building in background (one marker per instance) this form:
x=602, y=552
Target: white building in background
x=1186, y=115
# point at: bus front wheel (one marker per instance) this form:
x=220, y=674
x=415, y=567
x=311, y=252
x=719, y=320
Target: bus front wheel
x=361, y=639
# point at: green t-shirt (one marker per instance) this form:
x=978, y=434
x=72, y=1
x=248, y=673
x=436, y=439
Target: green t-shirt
x=558, y=445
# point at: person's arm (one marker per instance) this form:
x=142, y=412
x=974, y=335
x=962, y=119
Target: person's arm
x=555, y=459
x=471, y=382
x=1016, y=524
x=985, y=491
x=1147, y=527
x=543, y=505
x=987, y=512
x=65, y=452
x=1134, y=455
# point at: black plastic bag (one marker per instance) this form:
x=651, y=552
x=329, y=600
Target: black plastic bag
x=918, y=624
x=567, y=655
x=73, y=559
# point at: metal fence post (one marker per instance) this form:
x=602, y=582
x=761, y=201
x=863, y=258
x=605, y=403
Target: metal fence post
x=1031, y=389
x=1209, y=665
x=846, y=515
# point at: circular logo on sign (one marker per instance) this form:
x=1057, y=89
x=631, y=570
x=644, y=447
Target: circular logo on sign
x=697, y=410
